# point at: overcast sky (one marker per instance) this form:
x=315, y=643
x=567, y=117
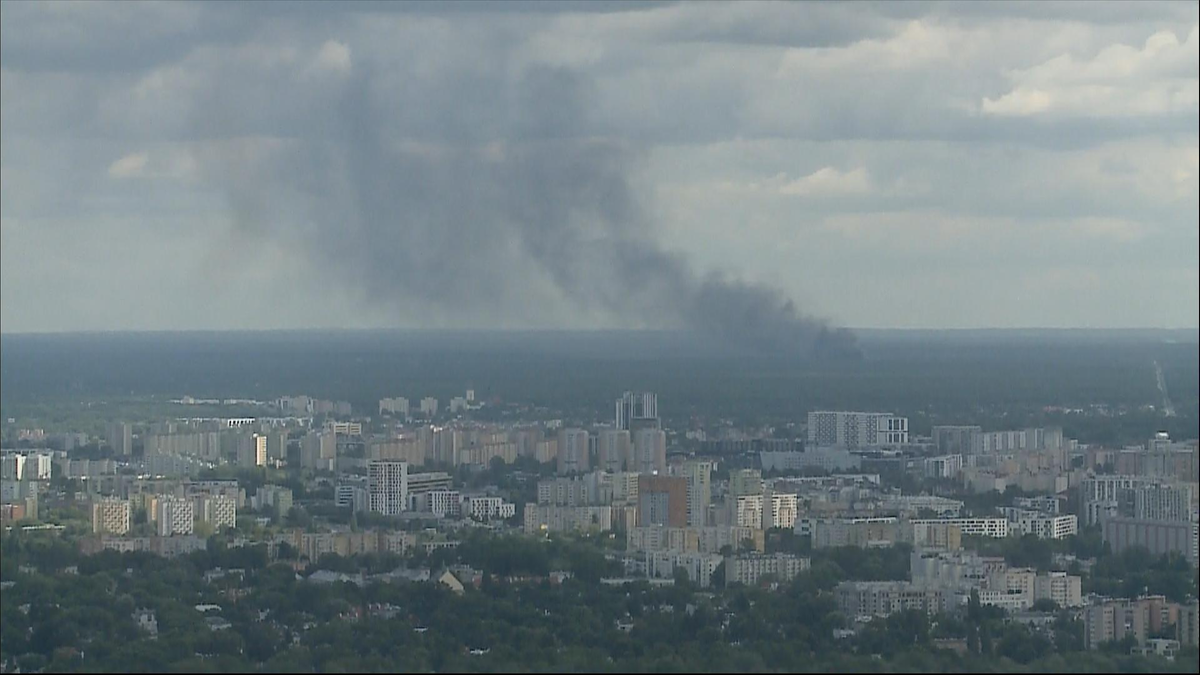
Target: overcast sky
x=936, y=165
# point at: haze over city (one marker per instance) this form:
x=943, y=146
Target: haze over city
x=598, y=165
x=622, y=337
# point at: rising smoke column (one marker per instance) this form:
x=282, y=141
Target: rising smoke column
x=531, y=207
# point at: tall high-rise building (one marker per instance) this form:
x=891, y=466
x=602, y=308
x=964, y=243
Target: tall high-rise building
x=615, y=450
x=252, y=451
x=387, y=486
x=572, y=451
x=634, y=406
x=649, y=451
x=662, y=500
x=216, y=510
x=318, y=450
x=856, y=429
x=175, y=515
x=120, y=438
x=1156, y=501
x=698, y=473
x=277, y=444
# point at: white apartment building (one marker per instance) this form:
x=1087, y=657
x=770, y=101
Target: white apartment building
x=882, y=598
x=1042, y=525
x=572, y=451
x=700, y=567
x=1045, y=504
x=428, y=481
x=748, y=568
x=746, y=510
x=120, y=438
x=856, y=429
x=946, y=466
x=252, y=451
x=631, y=406
x=1064, y=589
x=1107, y=488
x=488, y=508
x=780, y=509
x=699, y=490
x=614, y=450
x=973, y=527
x=445, y=503
x=387, y=486
x=551, y=518
x=953, y=569
x=354, y=497
x=110, y=516
x=1157, y=502
x=825, y=458
x=344, y=428
x=691, y=539
x=26, y=466
x=217, y=510
x=175, y=515
x=429, y=407
x=394, y=406
x=649, y=451
x=318, y=450
x=625, y=487
x=274, y=498
x=913, y=504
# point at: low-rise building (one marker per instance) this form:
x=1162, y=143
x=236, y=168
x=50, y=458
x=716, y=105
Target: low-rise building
x=700, y=567
x=748, y=568
x=882, y=598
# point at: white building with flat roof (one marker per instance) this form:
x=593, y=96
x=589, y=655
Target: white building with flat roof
x=748, y=568
x=387, y=486
x=856, y=429
x=973, y=527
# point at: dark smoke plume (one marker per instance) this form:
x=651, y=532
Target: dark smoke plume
x=495, y=220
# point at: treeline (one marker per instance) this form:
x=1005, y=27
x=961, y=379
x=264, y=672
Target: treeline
x=279, y=623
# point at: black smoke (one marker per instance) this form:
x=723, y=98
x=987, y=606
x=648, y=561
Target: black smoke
x=510, y=207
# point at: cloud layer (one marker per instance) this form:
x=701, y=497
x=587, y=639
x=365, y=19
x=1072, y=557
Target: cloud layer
x=896, y=164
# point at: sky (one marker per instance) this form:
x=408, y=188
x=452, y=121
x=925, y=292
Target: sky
x=534, y=165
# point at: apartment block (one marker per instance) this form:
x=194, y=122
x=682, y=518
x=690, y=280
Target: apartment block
x=174, y=516
x=883, y=598
x=387, y=486
x=856, y=429
x=551, y=518
x=216, y=510
x=751, y=567
x=110, y=516
x=662, y=500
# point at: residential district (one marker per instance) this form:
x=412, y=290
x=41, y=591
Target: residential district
x=1023, y=525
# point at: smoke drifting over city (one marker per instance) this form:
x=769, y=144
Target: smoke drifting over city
x=530, y=209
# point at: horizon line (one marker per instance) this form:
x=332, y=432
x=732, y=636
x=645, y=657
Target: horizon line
x=346, y=329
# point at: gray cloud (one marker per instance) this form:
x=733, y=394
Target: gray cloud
x=216, y=137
